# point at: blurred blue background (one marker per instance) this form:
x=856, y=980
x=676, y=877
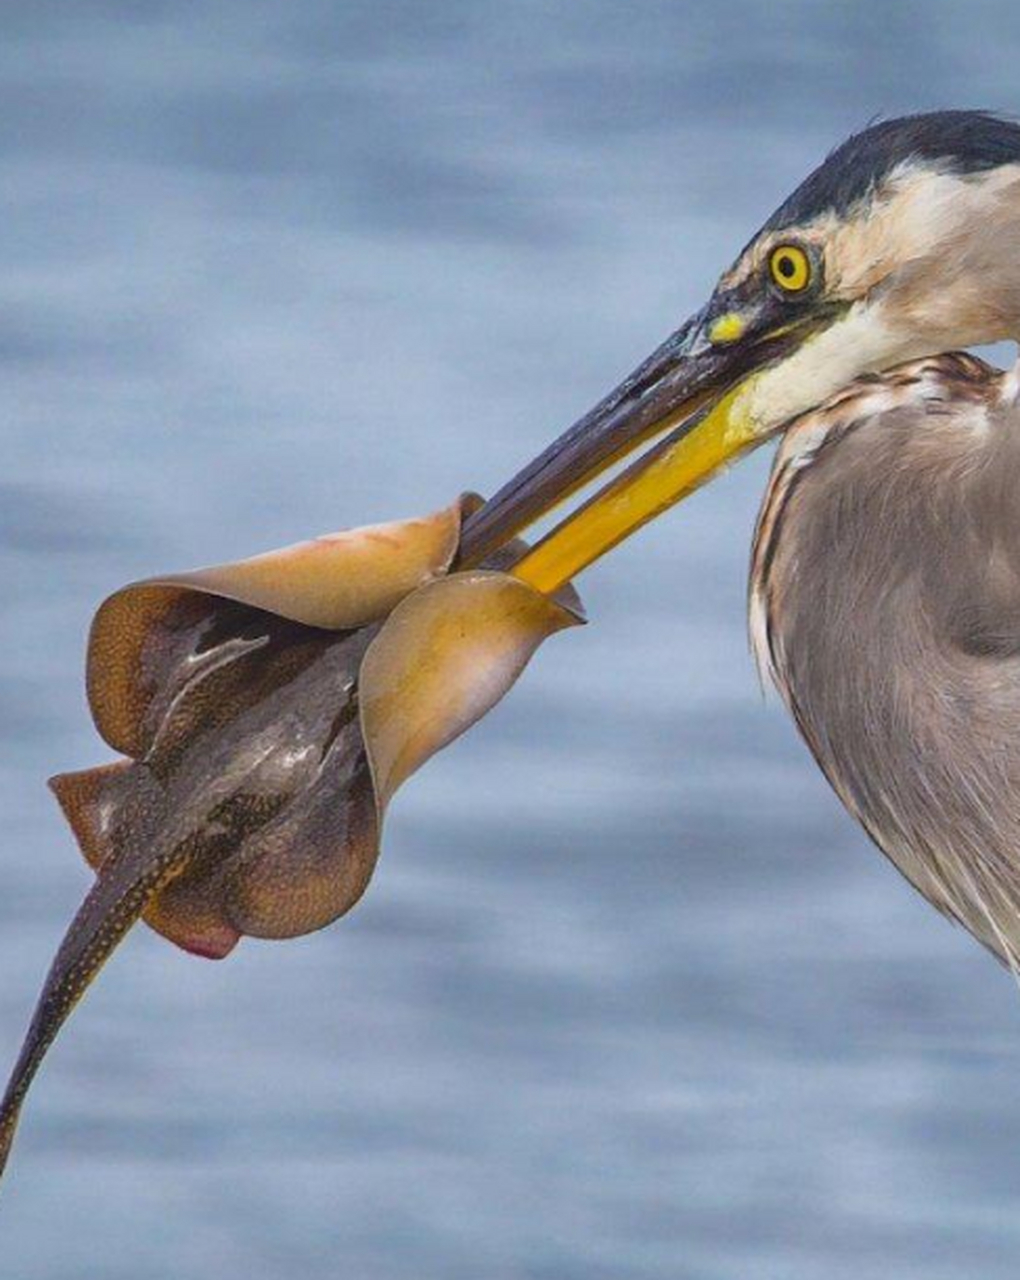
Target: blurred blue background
x=630, y=995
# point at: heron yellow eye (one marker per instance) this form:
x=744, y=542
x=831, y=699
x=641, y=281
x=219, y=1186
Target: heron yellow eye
x=790, y=268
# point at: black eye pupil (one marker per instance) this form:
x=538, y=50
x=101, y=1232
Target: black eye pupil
x=787, y=267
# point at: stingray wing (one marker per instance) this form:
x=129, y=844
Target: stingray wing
x=143, y=632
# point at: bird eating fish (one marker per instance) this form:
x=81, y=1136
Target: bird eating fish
x=265, y=711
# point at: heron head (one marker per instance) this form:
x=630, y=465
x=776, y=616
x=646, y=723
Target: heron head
x=904, y=242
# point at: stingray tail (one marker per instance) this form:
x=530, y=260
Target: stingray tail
x=113, y=904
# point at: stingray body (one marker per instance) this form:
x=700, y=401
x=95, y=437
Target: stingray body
x=252, y=778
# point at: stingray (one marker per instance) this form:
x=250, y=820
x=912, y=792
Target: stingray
x=264, y=713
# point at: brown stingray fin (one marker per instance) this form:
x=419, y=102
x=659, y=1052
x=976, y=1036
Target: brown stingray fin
x=88, y=798
x=446, y=656
x=183, y=914
x=337, y=582
x=340, y=580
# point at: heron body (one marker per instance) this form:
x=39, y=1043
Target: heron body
x=885, y=605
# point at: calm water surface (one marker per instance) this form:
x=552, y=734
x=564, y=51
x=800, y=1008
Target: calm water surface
x=630, y=997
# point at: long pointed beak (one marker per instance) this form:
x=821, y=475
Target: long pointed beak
x=689, y=388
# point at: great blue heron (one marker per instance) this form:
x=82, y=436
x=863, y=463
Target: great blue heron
x=885, y=578
x=885, y=584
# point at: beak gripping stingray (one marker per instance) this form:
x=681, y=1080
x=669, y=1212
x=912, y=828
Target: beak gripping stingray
x=266, y=712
